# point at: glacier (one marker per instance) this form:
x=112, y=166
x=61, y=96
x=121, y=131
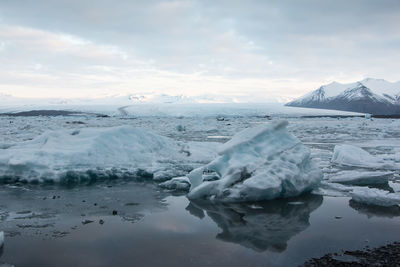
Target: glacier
x=259, y=163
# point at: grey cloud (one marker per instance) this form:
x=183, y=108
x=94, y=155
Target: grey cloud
x=305, y=40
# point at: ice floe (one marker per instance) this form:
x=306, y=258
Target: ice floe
x=98, y=153
x=360, y=194
x=260, y=163
x=374, y=196
x=349, y=155
x=357, y=177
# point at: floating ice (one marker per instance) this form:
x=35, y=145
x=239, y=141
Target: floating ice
x=374, y=196
x=360, y=194
x=1, y=239
x=259, y=163
x=177, y=183
x=98, y=153
x=354, y=156
x=361, y=177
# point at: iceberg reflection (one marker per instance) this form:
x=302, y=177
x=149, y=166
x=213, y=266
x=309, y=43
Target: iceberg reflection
x=261, y=226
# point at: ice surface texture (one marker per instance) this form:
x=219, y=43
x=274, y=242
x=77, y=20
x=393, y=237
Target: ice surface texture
x=101, y=152
x=260, y=163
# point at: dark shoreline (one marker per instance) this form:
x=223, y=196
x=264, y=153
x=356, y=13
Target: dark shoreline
x=387, y=255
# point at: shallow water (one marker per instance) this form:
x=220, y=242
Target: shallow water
x=153, y=228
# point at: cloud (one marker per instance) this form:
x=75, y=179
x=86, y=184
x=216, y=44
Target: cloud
x=274, y=48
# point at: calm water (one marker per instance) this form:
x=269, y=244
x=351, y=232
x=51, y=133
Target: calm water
x=44, y=227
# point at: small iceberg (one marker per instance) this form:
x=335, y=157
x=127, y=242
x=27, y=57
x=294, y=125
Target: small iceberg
x=353, y=156
x=260, y=163
x=374, y=196
x=361, y=177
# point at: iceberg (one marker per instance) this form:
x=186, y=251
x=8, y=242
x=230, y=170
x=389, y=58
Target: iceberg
x=101, y=153
x=361, y=177
x=260, y=163
x=349, y=155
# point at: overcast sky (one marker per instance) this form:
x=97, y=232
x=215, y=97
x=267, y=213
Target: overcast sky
x=261, y=50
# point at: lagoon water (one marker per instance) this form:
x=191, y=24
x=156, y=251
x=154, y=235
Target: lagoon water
x=124, y=222
x=50, y=226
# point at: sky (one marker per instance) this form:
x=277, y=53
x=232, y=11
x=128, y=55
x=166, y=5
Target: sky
x=255, y=50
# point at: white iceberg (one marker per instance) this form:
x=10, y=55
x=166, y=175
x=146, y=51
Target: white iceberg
x=354, y=156
x=260, y=163
x=361, y=177
x=100, y=153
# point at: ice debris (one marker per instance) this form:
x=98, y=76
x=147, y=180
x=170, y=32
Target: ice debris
x=260, y=163
x=360, y=194
x=349, y=155
x=177, y=183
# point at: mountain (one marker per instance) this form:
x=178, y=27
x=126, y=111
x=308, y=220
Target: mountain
x=374, y=96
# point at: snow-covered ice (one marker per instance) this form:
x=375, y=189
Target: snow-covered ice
x=349, y=155
x=259, y=163
x=89, y=152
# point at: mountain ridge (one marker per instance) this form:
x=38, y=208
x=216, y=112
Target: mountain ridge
x=374, y=96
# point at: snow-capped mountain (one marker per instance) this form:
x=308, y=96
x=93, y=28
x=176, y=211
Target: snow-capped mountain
x=375, y=96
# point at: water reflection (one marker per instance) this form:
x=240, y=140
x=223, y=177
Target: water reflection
x=375, y=211
x=262, y=226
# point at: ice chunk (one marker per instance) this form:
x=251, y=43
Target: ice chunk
x=354, y=156
x=1, y=239
x=360, y=177
x=177, y=183
x=374, y=196
x=101, y=152
x=259, y=163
